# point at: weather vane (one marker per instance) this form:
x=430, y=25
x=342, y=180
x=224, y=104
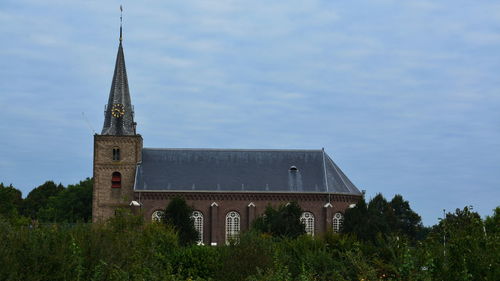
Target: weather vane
x=121, y=14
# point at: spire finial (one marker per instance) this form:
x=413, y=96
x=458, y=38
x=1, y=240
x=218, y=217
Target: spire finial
x=121, y=14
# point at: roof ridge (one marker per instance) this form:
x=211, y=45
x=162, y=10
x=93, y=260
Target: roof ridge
x=230, y=149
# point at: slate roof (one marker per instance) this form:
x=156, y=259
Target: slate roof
x=119, y=94
x=240, y=170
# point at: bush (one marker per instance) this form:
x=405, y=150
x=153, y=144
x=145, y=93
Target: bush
x=281, y=222
x=126, y=248
x=179, y=216
x=254, y=251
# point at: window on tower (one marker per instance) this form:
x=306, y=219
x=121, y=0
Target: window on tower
x=116, y=180
x=116, y=154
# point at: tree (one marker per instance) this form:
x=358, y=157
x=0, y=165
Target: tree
x=382, y=217
x=462, y=249
x=356, y=221
x=492, y=223
x=10, y=201
x=38, y=198
x=179, y=215
x=380, y=214
x=367, y=221
x=283, y=222
x=406, y=221
x=72, y=204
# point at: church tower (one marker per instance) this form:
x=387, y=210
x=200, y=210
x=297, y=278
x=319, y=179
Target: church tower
x=117, y=150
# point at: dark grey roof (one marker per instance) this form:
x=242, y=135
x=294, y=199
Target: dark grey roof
x=240, y=170
x=119, y=95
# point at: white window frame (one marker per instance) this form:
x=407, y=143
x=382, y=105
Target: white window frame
x=233, y=222
x=307, y=218
x=197, y=217
x=338, y=219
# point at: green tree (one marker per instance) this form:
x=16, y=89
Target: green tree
x=179, y=215
x=281, y=222
x=73, y=204
x=368, y=221
x=384, y=218
x=406, y=221
x=10, y=201
x=39, y=197
x=356, y=221
x=380, y=216
x=492, y=223
x=462, y=249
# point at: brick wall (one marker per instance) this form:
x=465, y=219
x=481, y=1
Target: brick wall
x=214, y=215
x=106, y=199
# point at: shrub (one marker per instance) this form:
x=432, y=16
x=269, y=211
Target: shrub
x=281, y=222
x=178, y=215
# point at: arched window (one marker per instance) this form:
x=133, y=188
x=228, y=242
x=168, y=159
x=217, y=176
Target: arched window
x=338, y=218
x=116, y=153
x=116, y=180
x=157, y=215
x=232, y=226
x=198, y=225
x=307, y=218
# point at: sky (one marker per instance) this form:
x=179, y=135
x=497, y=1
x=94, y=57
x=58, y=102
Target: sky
x=403, y=95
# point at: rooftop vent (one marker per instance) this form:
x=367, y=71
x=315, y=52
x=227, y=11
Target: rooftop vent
x=293, y=168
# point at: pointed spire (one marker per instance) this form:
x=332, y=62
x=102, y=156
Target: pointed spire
x=119, y=115
x=121, y=14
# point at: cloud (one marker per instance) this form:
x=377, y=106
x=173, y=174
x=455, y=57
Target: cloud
x=402, y=94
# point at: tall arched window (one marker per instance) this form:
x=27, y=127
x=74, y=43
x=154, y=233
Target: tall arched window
x=232, y=226
x=198, y=225
x=157, y=215
x=116, y=153
x=338, y=218
x=307, y=218
x=116, y=180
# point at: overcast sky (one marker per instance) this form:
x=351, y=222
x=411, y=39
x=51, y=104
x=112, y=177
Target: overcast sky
x=403, y=95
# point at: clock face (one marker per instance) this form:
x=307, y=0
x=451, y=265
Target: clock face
x=117, y=110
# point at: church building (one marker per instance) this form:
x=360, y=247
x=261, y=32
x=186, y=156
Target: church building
x=228, y=188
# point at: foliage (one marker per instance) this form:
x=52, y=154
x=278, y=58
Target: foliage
x=39, y=198
x=72, y=204
x=48, y=203
x=240, y=260
x=10, y=201
x=127, y=248
x=281, y=222
x=178, y=215
x=462, y=249
x=356, y=221
x=379, y=217
x=492, y=223
x=196, y=261
x=406, y=221
x=380, y=241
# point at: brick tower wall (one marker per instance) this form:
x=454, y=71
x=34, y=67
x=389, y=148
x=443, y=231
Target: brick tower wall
x=105, y=199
